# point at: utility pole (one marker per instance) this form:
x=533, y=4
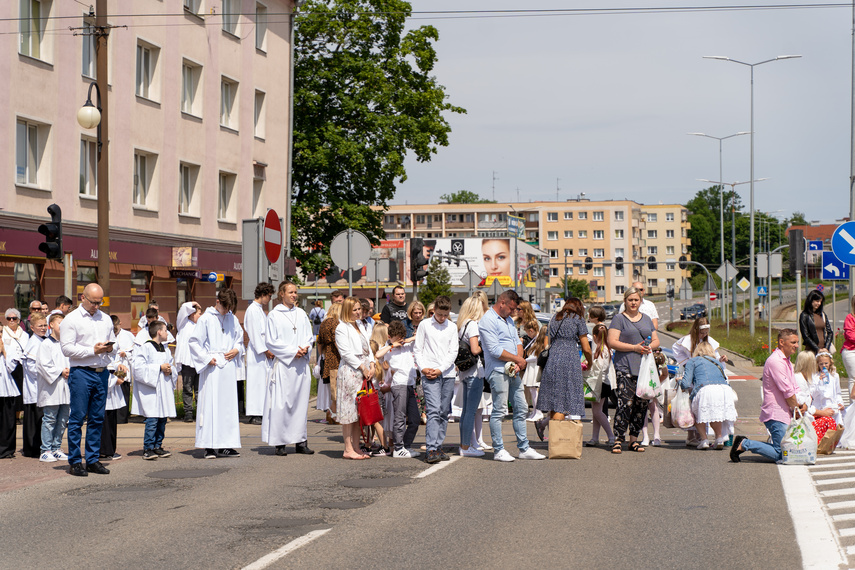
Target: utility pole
x=102, y=32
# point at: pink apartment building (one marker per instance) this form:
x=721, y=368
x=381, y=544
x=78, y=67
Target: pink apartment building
x=198, y=135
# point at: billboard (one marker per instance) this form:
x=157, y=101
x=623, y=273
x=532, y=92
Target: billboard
x=490, y=257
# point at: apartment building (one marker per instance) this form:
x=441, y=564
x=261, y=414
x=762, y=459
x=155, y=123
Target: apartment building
x=198, y=138
x=569, y=232
x=666, y=238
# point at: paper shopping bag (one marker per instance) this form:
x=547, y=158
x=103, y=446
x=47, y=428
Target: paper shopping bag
x=565, y=439
x=828, y=443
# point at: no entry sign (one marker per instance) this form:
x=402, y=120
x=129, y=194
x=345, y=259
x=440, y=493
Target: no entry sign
x=272, y=236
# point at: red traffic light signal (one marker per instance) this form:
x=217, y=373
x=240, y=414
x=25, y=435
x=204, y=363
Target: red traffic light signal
x=52, y=246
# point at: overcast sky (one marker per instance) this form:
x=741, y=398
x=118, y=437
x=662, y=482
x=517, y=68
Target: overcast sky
x=604, y=102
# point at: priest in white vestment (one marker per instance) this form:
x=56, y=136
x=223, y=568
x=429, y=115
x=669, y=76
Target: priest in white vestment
x=216, y=346
x=286, y=407
x=258, y=358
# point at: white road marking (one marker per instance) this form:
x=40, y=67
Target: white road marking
x=840, y=505
x=266, y=561
x=835, y=481
x=833, y=471
x=843, y=518
x=437, y=466
x=814, y=530
x=837, y=493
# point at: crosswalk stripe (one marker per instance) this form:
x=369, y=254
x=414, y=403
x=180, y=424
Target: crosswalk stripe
x=843, y=518
x=833, y=471
x=837, y=493
x=840, y=505
x=834, y=481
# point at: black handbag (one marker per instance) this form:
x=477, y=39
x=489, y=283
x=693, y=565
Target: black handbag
x=543, y=357
x=465, y=359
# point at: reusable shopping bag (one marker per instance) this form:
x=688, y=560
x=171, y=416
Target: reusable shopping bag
x=648, y=385
x=681, y=410
x=565, y=439
x=799, y=444
x=368, y=405
x=669, y=392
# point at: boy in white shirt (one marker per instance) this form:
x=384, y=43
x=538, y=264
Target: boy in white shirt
x=435, y=353
x=116, y=391
x=154, y=387
x=54, y=395
x=402, y=365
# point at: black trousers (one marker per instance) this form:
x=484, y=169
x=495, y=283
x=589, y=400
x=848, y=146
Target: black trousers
x=125, y=412
x=18, y=377
x=241, y=390
x=32, y=431
x=189, y=388
x=109, y=431
x=7, y=427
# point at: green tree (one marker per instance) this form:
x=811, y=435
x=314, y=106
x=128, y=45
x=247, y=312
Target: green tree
x=576, y=288
x=364, y=97
x=437, y=282
x=798, y=219
x=465, y=197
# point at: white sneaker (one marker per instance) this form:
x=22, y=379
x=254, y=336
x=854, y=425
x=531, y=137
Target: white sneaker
x=704, y=444
x=483, y=446
x=530, y=453
x=60, y=455
x=645, y=442
x=503, y=455
x=403, y=453
x=471, y=452
x=413, y=452
x=47, y=457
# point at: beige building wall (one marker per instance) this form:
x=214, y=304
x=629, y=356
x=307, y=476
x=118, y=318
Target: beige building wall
x=666, y=239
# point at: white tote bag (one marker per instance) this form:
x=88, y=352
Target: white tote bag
x=799, y=444
x=648, y=386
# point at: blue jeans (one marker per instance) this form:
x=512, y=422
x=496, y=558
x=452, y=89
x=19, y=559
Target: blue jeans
x=472, y=388
x=54, y=422
x=438, y=393
x=501, y=385
x=773, y=450
x=88, y=399
x=155, y=429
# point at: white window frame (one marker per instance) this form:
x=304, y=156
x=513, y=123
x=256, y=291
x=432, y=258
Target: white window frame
x=652, y=250
x=582, y=216
x=620, y=290
x=32, y=24
x=599, y=234
x=618, y=234
x=88, y=64
x=599, y=216
x=228, y=103
x=669, y=250
x=29, y=153
x=599, y=272
x=669, y=216
x=568, y=252
x=147, y=83
x=88, y=187
x=552, y=236
x=652, y=234
x=193, y=6
x=261, y=27
x=618, y=215
x=669, y=266
x=669, y=234
x=188, y=183
x=653, y=283
x=230, y=14
x=582, y=234
x=582, y=270
x=551, y=216
x=652, y=218
x=568, y=234
x=568, y=215
x=226, y=187
x=553, y=272
x=599, y=252
x=553, y=254
x=191, y=95
x=582, y=252
x=259, y=114
x=568, y=270
x=257, y=196
x=144, y=185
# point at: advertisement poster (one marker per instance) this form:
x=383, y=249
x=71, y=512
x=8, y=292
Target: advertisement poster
x=491, y=258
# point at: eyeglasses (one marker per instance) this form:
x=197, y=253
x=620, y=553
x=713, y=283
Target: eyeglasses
x=91, y=302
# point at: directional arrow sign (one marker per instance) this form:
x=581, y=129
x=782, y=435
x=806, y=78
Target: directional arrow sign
x=832, y=268
x=815, y=245
x=843, y=243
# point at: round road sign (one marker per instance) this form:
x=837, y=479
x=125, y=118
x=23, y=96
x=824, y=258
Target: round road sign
x=272, y=236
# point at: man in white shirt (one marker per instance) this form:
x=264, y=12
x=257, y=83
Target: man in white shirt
x=87, y=339
x=647, y=307
x=258, y=358
x=435, y=352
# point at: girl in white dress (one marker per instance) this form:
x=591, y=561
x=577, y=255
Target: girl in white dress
x=825, y=388
x=531, y=376
x=600, y=373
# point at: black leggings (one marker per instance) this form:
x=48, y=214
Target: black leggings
x=630, y=408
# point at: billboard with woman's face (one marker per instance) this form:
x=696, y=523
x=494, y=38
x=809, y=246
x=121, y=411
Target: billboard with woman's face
x=488, y=257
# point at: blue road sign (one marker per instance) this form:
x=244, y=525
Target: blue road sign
x=843, y=243
x=212, y=277
x=832, y=268
x=815, y=245
x=761, y=291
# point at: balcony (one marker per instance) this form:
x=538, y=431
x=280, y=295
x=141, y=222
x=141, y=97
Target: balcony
x=499, y=225
x=459, y=225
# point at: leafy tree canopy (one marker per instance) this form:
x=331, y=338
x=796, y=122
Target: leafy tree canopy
x=576, y=288
x=798, y=219
x=465, y=197
x=437, y=282
x=364, y=97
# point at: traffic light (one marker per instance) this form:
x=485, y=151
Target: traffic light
x=797, y=250
x=589, y=264
x=651, y=263
x=670, y=292
x=618, y=263
x=417, y=260
x=52, y=246
x=531, y=298
x=683, y=263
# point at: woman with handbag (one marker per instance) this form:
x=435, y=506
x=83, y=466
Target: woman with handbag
x=561, y=392
x=631, y=335
x=711, y=397
x=471, y=377
x=355, y=368
x=816, y=330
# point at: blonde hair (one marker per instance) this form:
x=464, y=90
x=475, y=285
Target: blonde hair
x=378, y=366
x=631, y=291
x=413, y=306
x=703, y=349
x=541, y=341
x=334, y=312
x=347, y=307
x=805, y=364
x=471, y=310
x=485, y=301
x=380, y=334
x=525, y=314
x=825, y=354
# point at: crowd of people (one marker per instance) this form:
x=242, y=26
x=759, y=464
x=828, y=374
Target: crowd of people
x=63, y=367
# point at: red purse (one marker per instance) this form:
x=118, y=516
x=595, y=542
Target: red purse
x=368, y=405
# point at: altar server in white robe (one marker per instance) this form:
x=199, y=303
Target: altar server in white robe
x=8, y=392
x=258, y=358
x=32, y=431
x=126, y=342
x=286, y=407
x=116, y=399
x=216, y=347
x=155, y=377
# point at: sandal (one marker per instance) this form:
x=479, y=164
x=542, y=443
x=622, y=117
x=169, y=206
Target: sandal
x=635, y=446
x=617, y=448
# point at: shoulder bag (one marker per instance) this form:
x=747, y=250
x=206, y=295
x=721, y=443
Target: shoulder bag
x=465, y=359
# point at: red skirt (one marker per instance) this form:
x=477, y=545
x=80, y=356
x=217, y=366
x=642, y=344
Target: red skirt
x=822, y=425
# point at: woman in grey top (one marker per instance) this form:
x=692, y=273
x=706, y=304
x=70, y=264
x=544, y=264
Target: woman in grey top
x=628, y=336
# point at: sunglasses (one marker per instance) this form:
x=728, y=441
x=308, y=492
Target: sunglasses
x=11, y=318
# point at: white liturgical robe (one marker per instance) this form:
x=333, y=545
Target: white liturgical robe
x=257, y=363
x=286, y=405
x=154, y=391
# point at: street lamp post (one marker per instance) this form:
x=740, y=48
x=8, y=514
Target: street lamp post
x=721, y=197
x=751, y=66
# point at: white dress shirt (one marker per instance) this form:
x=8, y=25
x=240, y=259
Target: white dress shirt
x=436, y=346
x=80, y=331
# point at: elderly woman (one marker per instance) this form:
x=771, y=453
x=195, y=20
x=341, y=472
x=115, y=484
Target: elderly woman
x=631, y=336
x=15, y=340
x=8, y=393
x=356, y=366
x=815, y=328
x=712, y=397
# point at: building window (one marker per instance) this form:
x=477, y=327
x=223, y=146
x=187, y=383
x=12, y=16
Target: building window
x=619, y=216
x=191, y=74
x=568, y=253
x=652, y=283
x=469, y=218
x=228, y=108
x=88, y=67
x=260, y=114
x=583, y=271
x=583, y=252
x=532, y=216
x=618, y=234
x=193, y=6
x=553, y=271
x=257, y=189
x=147, y=81
x=652, y=250
x=599, y=252
x=568, y=215
x=598, y=216
x=187, y=199
x=225, y=204
x=88, y=168
x=553, y=254
x=599, y=272
x=669, y=234
x=568, y=270
x=670, y=283
x=231, y=11
x=669, y=250
x=568, y=234
x=669, y=216
x=599, y=234
x=669, y=266
x=31, y=164
x=619, y=272
x=144, y=164
x=619, y=290
x=261, y=27
x=420, y=219
x=652, y=234
x=551, y=216
x=651, y=218
x=26, y=286
x=34, y=15
x=552, y=236
x=583, y=234
x=583, y=215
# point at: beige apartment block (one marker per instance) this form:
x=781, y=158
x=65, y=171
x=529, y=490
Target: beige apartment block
x=568, y=232
x=666, y=238
x=198, y=141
